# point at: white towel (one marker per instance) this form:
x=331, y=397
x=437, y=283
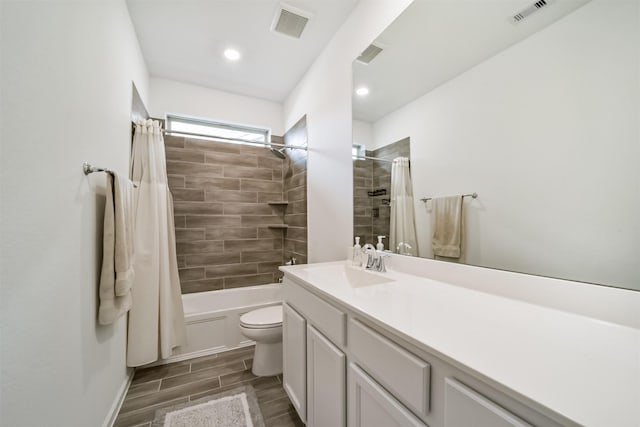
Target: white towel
x=117, y=251
x=447, y=227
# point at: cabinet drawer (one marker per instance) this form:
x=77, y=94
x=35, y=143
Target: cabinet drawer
x=403, y=374
x=319, y=313
x=371, y=406
x=464, y=407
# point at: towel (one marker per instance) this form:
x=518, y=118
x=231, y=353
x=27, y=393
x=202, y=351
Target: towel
x=447, y=227
x=123, y=192
x=117, y=251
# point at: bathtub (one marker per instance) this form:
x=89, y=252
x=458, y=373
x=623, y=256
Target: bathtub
x=213, y=318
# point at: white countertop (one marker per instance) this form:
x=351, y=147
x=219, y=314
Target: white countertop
x=585, y=369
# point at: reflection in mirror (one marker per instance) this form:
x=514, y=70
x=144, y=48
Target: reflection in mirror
x=540, y=117
x=373, y=188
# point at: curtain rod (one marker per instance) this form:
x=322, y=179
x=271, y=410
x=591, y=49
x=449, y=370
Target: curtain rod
x=246, y=141
x=371, y=158
x=472, y=195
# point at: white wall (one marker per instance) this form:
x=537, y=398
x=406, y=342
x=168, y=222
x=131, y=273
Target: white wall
x=519, y=128
x=169, y=96
x=363, y=134
x=67, y=68
x=324, y=95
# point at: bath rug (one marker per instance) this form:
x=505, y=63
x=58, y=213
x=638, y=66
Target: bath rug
x=233, y=408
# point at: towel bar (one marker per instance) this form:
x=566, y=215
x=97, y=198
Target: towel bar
x=87, y=168
x=472, y=195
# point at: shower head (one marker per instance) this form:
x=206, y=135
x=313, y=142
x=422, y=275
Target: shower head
x=278, y=153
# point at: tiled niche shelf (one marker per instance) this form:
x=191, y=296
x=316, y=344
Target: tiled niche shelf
x=278, y=226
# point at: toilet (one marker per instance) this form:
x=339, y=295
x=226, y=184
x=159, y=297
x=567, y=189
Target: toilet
x=264, y=326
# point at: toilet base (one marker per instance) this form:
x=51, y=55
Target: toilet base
x=267, y=359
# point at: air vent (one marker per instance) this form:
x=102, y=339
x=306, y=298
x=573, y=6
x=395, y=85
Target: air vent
x=519, y=17
x=290, y=21
x=369, y=54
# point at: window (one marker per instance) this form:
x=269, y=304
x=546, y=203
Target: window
x=357, y=151
x=209, y=129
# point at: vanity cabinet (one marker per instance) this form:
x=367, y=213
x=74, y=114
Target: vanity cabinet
x=341, y=368
x=314, y=367
x=294, y=359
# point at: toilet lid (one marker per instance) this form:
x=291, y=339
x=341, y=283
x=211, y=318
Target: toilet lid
x=262, y=317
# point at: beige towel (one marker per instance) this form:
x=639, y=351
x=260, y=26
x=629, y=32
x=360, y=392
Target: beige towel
x=117, y=252
x=123, y=191
x=447, y=227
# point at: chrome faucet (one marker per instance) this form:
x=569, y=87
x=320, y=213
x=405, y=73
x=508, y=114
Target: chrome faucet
x=407, y=248
x=370, y=250
x=375, y=261
x=378, y=263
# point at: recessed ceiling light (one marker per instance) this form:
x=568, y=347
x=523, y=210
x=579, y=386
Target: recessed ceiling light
x=362, y=91
x=232, y=54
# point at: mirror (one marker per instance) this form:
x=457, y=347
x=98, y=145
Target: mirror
x=538, y=113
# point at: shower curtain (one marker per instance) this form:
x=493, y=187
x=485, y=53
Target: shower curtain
x=156, y=319
x=402, y=235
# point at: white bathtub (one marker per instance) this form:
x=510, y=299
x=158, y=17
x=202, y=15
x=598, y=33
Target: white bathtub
x=213, y=318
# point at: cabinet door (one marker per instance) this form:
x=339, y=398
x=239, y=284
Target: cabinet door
x=294, y=359
x=371, y=406
x=326, y=382
x=465, y=407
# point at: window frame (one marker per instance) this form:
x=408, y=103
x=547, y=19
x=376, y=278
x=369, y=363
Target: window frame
x=218, y=124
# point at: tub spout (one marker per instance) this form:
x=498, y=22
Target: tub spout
x=292, y=261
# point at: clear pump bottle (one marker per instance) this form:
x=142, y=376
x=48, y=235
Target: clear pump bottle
x=356, y=261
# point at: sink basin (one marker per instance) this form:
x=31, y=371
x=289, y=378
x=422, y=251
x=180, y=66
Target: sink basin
x=356, y=277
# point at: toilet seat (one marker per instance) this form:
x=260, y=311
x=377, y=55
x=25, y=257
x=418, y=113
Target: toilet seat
x=262, y=318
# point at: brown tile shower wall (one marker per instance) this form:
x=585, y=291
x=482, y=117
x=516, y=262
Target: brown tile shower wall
x=221, y=195
x=295, y=193
x=371, y=213
x=362, y=203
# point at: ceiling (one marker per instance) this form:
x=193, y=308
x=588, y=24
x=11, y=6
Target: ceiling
x=433, y=41
x=184, y=40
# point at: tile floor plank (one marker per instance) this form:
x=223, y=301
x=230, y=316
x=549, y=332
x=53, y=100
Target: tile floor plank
x=158, y=372
x=202, y=374
x=143, y=388
x=170, y=394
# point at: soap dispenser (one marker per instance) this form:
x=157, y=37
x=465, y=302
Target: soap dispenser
x=357, y=253
x=380, y=245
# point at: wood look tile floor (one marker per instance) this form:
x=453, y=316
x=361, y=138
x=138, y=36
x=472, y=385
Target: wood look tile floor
x=166, y=385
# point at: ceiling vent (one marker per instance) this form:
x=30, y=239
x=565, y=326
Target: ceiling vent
x=290, y=21
x=369, y=54
x=519, y=17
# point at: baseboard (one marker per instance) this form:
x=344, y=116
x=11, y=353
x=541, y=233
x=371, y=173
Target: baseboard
x=110, y=420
